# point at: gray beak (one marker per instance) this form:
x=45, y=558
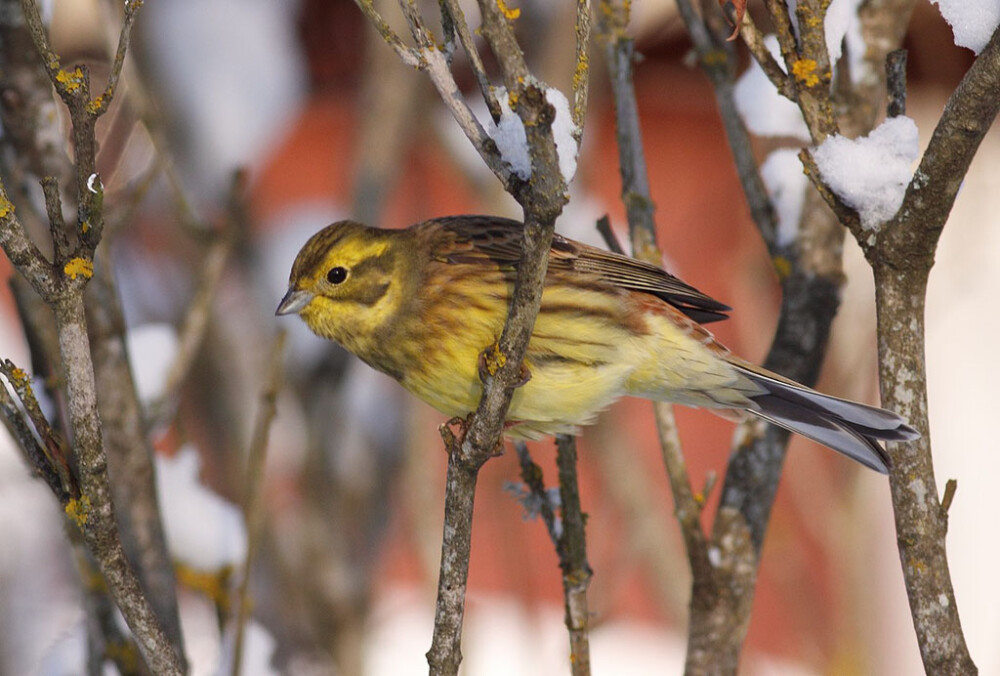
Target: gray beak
x=293, y=302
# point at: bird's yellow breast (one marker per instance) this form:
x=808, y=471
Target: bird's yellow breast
x=581, y=353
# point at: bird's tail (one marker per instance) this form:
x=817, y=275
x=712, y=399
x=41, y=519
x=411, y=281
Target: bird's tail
x=845, y=426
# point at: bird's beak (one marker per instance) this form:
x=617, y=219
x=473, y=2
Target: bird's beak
x=294, y=301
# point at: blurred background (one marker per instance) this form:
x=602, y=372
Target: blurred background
x=257, y=122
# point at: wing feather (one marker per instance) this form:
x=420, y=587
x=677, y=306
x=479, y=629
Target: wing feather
x=495, y=239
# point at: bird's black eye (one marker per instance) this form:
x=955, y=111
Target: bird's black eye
x=336, y=275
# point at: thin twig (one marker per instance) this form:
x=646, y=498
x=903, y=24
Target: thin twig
x=950, y=486
x=418, y=30
x=57, y=226
x=604, y=229
x=36, y=456
x=573, y=557
x=407, y=55
x=469, y=45
x=717, y=59
x=639, y=207
x=252, y=509
x=101, y=103
x=531, y=475
x=22, y=252
x=847, y=215
x=193, y=328
x=54, y=448
x=895, y=78
x=754, y=41
x=568, y=535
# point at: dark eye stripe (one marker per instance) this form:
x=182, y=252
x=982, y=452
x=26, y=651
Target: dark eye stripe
x=371, y=295
x=383, y=263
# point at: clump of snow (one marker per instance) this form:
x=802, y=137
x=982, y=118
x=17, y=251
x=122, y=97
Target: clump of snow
x=972, y=21
x=763, y=109
x=203, y=530
x=151, y=349
x=512, y=141
x=562, y=132
x=786, y=184
x=871, y=173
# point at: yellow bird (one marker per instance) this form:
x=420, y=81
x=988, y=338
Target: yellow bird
x=422, y=304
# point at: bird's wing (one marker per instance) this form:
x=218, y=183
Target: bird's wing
x=490, y=238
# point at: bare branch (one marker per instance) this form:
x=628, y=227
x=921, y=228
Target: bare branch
x=37, y=456
x=94, y=513
x=542, y=199
x=686, y=508
x=62, y=287
x=619, y=53
x=57, y=227
x=568, y=536
x=581, y=74
x=901, y=258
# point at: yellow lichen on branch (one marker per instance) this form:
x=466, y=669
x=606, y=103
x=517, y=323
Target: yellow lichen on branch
x=18, y=377
x=494, y=359
x=78, y=510
x=6, y=208
x=96, y=105
x=804, y=71
x=71, y=80
x=79, y=266
x=510, y=13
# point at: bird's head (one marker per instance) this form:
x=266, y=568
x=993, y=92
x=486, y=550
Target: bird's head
x=344, y=282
